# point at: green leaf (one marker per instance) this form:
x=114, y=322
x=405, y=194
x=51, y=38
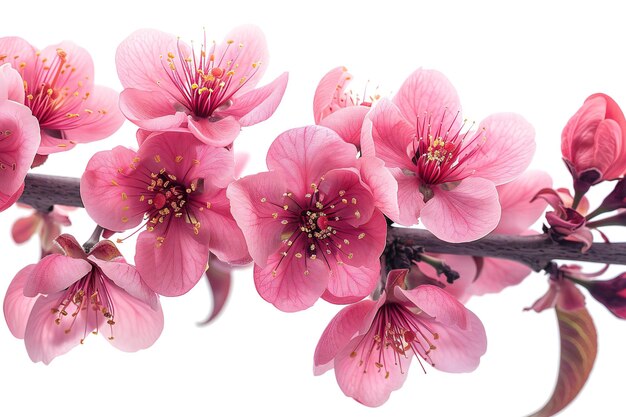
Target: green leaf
x=579, y=345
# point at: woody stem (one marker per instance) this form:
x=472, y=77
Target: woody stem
x=44, y=191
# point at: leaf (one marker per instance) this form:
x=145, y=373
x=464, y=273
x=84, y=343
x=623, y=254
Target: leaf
x=218, y=275
x=579, y=345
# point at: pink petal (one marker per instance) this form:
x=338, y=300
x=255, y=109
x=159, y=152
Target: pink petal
x=11, y=84
x=7, y=201
x=360, y=378
x=607, y=146
x=18, y=52
x=254, y=200
x=428, y=93
x=141, y=61
x=70, y=246
x=459, y=350
x=53, y=142
x=364, y=244
x=347, y=123
x=578, y=134
x=110, y=196
x=25, y=227
x=137, y=324
x=151, y=110
x=304, y=155
x=297, y=283
x=348, y=284
x=175, y=266
x=507, y=150
x=497, y=274
x=127, y=278
x=437, y=303
x=251, y=57
x=217, y=133
x=81, y=74
x=105, y=250
x=382, y=184
x=227, y=240
x=518, y=212
x=177, y=153
x=329, y=85
x=44, y=339
x=219, y=279
x=17, y=307
x=258, y=105
x=465, y=213
x=343, y=327
x=410, y=200
x=352, y=199
x=55, y=273
x=392, y=134
x=19, y=140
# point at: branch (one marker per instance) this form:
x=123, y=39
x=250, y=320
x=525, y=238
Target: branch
x=534, y=251
x=43, y=191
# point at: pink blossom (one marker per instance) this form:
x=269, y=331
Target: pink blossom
x=59, y=89
x=370, y=344
x=611, y=293
x=313, y=223
x=446, y=171
x=55, y=304
x=565, y=222
x=179, y=185
x=593, y=142
x=46, y=224
x=210, y=93
x=19, y=136
x=562, y=292
x=338, y=109
x=491, y=275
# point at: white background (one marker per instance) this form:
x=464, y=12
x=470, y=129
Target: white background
x=540, y=59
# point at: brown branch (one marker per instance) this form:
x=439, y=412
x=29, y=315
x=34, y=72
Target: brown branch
x=535, y=251
x=43, y=191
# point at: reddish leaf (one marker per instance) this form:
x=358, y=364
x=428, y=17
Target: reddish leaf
x=579, y=345
x=218, y=275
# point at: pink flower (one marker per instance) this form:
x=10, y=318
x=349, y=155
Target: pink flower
x=55, y=304
x=562, y=292
x=371, y=343
x=46, y=224
x=58, y=88
x=565, y=222
x=446, y=174
x=593, y=142
x=168, y=86
x=19, y=136
x=179, y=184
x=338, y=109
x=311, y=223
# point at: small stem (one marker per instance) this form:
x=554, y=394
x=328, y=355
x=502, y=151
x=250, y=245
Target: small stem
x=440, y=266
x=93, y=239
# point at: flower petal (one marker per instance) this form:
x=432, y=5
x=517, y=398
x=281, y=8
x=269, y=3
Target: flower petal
x=17, y=307
x=79, y=65
x=518, y=212
x=19, y=140
x=137, y=324
x=44, y=338
x=349, y=284
x=410, y=200
x=329, y=85
x=16, y=51
x=11, y=84
x=258, y=105
x=128, y=279
x=343, y=327
x=55, y=273
x=217, y=133
x=497, y=274
x=381, y=182
x=254, y=201
x=465, y=213
x=437, y=303
x=347, y=123
x=151, y=110
x=464, y=265
x=508, y=148
x=24, y=228
x=174, y=266
x=429, y=94
x=393, y=135
x=291, y=284
x=304, y=155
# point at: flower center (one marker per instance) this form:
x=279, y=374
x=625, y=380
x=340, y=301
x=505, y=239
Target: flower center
x=394, y=330
x=88, y=297
x=440, y=151
x=348, y=98
x=207, y=82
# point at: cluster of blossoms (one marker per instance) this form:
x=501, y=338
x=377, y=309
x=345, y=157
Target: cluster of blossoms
x=315, y=225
